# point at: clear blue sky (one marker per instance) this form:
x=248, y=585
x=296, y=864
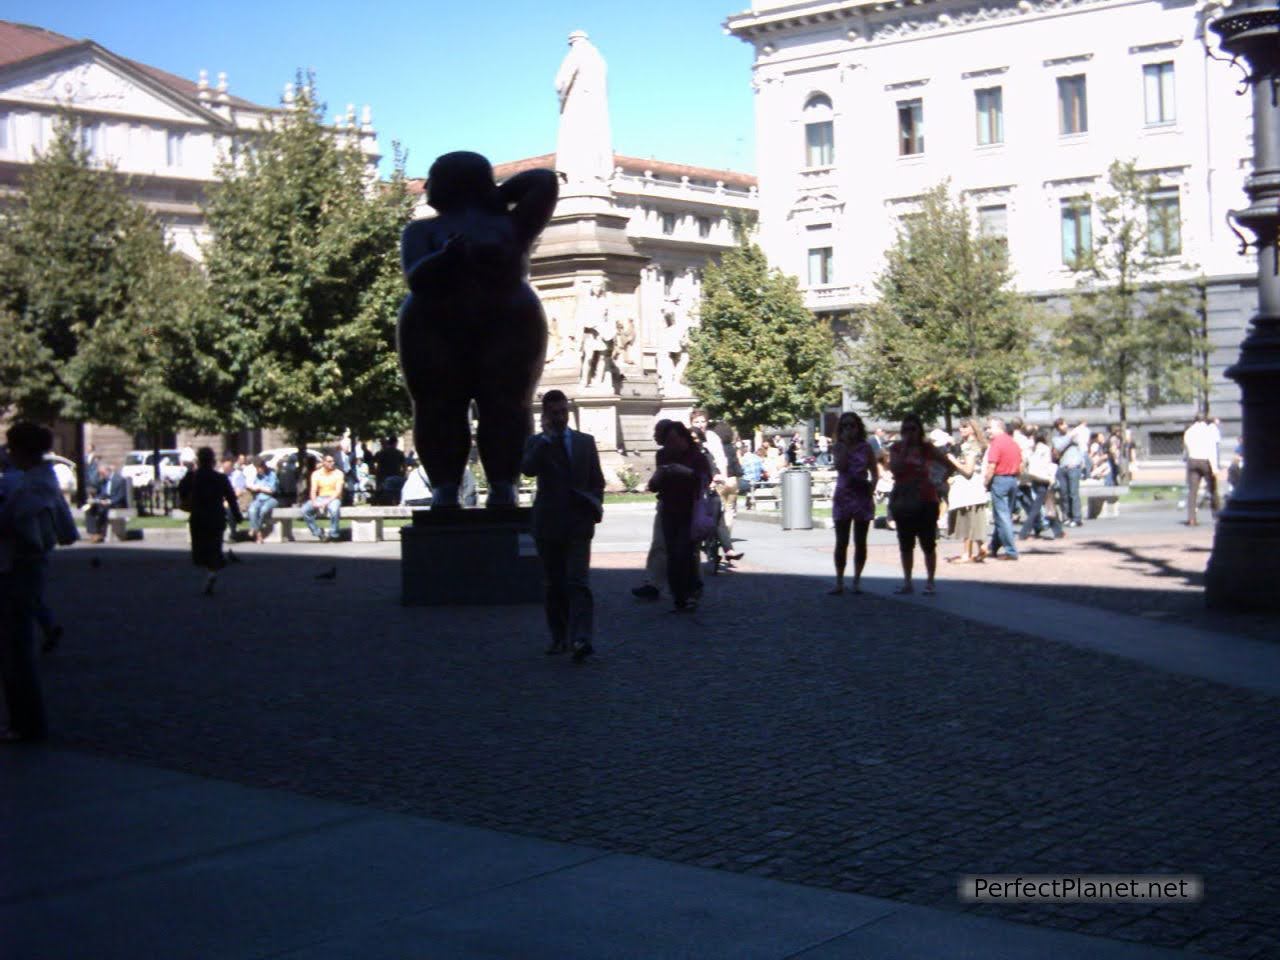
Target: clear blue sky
x=451, y=76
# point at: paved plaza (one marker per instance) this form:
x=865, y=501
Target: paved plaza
x=785, y=770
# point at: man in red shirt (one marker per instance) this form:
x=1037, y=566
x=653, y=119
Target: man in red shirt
x=1003, y=464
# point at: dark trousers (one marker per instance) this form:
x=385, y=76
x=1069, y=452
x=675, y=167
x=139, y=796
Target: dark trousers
x=21, y=592
x=682, y=556
x=566, y=568
x=95, y=520
x=1198, y=470
x=1035, y=514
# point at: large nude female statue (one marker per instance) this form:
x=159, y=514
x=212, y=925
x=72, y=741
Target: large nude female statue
x=471, y=327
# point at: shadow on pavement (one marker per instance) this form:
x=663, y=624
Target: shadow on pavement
x=855, y=743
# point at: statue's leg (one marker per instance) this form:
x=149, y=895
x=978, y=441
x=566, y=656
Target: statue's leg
x=437, y=382
x=442, y=434
x=505, y=420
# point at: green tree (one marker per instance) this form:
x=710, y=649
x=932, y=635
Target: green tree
x=758, y=356
x=87, y=284
x=1129, y=338
x=305, y=262
x=949, y=335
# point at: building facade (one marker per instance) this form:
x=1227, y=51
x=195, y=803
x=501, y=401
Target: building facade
x=164, y=135
x=862, y=106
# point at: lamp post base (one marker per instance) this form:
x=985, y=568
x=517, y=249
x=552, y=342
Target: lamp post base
x=1244, y=568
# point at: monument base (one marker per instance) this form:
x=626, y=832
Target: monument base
x=476, y=556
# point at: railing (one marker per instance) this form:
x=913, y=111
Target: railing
x=650, y=184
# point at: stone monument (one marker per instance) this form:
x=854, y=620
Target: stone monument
x=589, y=276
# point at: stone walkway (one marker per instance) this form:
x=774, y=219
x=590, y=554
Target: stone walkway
x=857, y=744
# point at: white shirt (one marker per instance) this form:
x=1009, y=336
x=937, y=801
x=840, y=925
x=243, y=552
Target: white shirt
x=1201, y=442
x=715, y=447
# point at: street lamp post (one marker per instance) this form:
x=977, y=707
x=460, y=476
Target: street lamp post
x=1244, y=569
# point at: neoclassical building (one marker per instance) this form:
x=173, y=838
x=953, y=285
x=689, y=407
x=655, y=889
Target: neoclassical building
x=164, y=134
x=863, y=105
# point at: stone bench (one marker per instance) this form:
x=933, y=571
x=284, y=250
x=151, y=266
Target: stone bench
x=366, y=522
x=764, y=494
x=1101, y=500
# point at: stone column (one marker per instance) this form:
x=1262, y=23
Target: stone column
x=1244, y=569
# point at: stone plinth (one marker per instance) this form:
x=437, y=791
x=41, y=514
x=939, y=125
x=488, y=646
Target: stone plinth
x=478, y=556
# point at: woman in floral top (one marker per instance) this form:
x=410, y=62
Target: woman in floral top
x=853, y=504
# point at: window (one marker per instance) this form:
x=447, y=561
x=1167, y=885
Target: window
x=173, y=149
x=990, y=108
x=668, y=223
x=820, y=266
x=1157, y=85
x=1073, y=113
x=1077, y=230
x=910, y=127
x=668, y=282
x=819, y=132
x=993, y=221
x=90, y=139
x=1164, y=224
x=5, y=139
x=704, y=227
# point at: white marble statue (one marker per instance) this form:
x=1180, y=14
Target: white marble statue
x=584, y=147
x=673, y=344
x=599, y=333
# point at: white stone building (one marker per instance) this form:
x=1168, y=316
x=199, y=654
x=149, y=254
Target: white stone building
x=164, y=133
x=862, y=105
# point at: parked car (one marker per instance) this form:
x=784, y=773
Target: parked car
x=139, y=467
x=273, y=455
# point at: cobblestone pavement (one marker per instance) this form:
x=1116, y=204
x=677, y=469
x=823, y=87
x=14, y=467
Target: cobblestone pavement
x=854, y=743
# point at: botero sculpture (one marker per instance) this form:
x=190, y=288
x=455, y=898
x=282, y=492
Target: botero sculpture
x=471, y=327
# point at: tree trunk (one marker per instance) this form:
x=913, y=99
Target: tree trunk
x=948, y=419
x=82, y=487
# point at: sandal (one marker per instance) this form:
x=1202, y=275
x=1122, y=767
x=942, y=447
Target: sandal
x=929, y=590
x=904, y=589
x=960, y=558
x=836, y=592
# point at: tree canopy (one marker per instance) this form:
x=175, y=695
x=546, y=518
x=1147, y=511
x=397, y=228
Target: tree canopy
x=758, y=356
x=101, y=320
x=304, y=262
x=949, y=334
x=1130, y=338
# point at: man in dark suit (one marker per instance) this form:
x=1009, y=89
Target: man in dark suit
x=112, y=491
x=566, y=510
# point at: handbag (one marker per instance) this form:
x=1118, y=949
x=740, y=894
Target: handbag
x=703, y=521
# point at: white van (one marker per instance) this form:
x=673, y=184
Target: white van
x=140, y=467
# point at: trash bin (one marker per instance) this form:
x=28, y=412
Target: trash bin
x=797, y=500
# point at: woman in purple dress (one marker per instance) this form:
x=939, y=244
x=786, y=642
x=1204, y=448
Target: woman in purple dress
x=853, y=504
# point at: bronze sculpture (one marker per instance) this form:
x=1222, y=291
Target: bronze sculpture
x=472, y=327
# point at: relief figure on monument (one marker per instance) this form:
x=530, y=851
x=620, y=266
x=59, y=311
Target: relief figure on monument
x=599, y=334
x=471, y=327
x=673, y=343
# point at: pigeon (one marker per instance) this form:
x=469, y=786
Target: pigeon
x=330, y=574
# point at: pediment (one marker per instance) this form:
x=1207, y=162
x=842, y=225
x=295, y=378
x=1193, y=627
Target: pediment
x=809, y=203
x=88, y=79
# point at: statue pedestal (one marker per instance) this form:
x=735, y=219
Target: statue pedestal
x=477, y=556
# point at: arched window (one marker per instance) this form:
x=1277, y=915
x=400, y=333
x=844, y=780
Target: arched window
x=819, y=132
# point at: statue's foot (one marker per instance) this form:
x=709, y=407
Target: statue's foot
x=501, y=494
x=445, y=497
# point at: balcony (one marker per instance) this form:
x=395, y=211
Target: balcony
x=830, y=298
